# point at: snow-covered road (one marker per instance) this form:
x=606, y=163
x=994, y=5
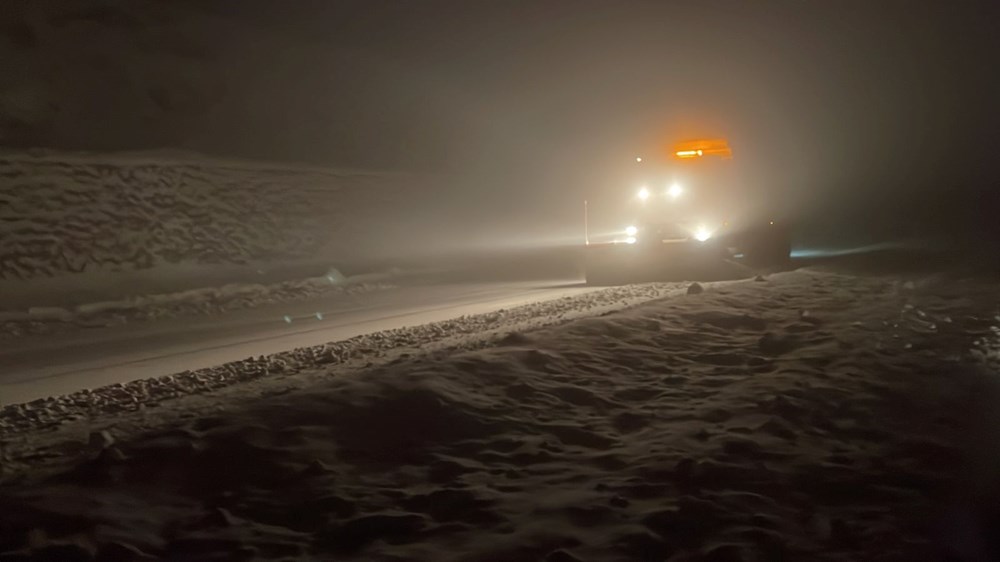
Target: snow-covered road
x=36, y=367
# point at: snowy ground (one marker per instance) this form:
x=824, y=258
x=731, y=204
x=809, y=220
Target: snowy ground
x=73, y=215
x=190, y=355
x=204, y=300
x=810, y=416
x=35, y=367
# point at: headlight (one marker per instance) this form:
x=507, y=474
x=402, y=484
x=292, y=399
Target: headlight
x=630, y=240
x=701, y=234
x=631, y=230
x=675, y=191
x=643, y=194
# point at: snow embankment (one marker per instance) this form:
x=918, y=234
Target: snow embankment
x=219, y=300
x=466, y=331
x=811, y=416
x=64, y=214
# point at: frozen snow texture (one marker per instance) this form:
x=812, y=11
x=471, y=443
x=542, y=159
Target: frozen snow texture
x=987, y=348
x=62, y=214
x=470, y=330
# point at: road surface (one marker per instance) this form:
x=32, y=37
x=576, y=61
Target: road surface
x=36, y=367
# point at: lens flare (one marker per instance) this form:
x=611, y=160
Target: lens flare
x=701, y=234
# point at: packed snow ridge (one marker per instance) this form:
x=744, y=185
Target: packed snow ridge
x=204, y=301
x=54, y=411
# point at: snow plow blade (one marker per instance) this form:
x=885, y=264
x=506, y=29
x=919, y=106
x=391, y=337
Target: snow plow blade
x=619, y=264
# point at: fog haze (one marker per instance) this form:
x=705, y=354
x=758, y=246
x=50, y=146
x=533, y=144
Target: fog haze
x=849, y=116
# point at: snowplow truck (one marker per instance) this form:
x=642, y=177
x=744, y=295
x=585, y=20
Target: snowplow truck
x=683, y=217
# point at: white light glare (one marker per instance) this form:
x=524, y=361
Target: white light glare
x=638, y=158
x=643, y=194
x=630, y=240
x=631, y=230
x=701, y=234
x=675, y=191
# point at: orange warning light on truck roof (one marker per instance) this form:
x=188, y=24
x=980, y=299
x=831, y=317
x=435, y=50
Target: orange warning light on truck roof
x=703, y=147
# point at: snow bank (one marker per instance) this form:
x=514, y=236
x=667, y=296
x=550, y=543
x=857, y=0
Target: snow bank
x=810, y=416
x=72, y=213
x=192, y=302
x=470, y=330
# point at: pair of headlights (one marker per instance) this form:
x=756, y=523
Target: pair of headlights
x=674, y=191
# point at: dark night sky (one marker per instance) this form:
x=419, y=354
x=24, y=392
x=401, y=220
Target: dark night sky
x=846, y=107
